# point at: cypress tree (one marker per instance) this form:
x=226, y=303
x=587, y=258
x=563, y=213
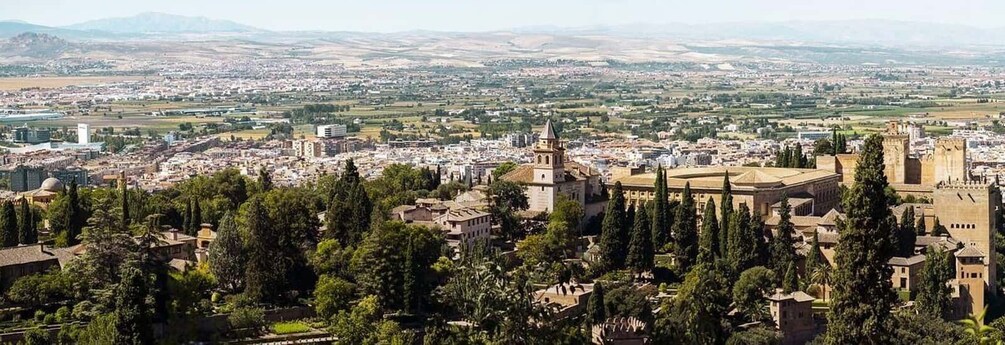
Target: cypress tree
x=905, y=236
x=920, y=226
x=186, y=221
x=938, y=229
x=226, y=255
x=862, y=290
x=640, y=246
x=8, y=225
x=132, y=316
x=610, y=256
x=934, y=299
x=725, y=215
x=814, y=258
x=661, y=205
x=124, y=194
x=685, y=232
x=27, y=234
x=596, y=310
x=264, y=274
x=75, y=217
x=708, y=245
x=196, y=217
x=782, y=250
x=409, y=281
x=791, y=281
x=756, y=234
x=349, y=211
x=834, y=140
x=742, y=251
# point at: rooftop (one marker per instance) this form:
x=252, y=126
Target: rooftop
x=740, y=177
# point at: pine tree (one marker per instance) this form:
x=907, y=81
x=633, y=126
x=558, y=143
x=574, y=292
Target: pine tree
x=862, y=290
x=611, y=255
x=791, y=281
x=640, y=250
x=8, y=225
x=596, y=310
x=783, y=251
x=226, y=254
x=27, y=234
x=920, y=226
x=132, y=317
x=685, y=232
x=708, y=245
x=934, y=299
x=661, y=205
x=725, y=216
x=264, y=274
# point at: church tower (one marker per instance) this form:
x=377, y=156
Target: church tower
x=549, y=156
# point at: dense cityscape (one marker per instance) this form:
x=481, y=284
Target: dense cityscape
x=182, y=180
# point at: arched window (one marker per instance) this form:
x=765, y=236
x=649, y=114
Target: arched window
x=547, y=159
x=538, y=159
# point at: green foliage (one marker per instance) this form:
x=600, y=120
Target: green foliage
x=749, y=292
x=190, y=292
x=332, y=295
x=289, y=327
x=629, y=301
x=708, y=244
x=910, y=329
x=685, y=232
x=8, y=225
x=36, y=336
x=567, y=211
x=330, y=258
x=726, y=215
x=264, y=274
x=640, y=250
x=783, y=251
x=661, y=211
x=814, y=258
x=27, y=222
x=863, y=292
x=697, y=311
x=760, y=335
x=249, y=318
x=38, y=289
x=934, y=296
x=596, y=308
x=100, y=331
x=503, y=168
x=380, y=264
x=614, y=233
x=742, y=241
x=905, y=235
x=226, y=255
x=364, y=325
x=349, y=208
x=790, y=282
x=132, y=317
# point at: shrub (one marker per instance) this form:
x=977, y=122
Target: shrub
x=63, y=314
x=291, y=327
x=39, y=315
x=247, y=318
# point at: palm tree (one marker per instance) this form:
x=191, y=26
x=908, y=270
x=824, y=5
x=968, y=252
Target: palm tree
x=822, y=277
x=975, y=327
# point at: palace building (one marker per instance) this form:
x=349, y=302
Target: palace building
x=810, y=191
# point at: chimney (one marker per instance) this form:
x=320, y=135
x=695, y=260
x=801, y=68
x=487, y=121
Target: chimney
x=174, y=234
x=41, y=247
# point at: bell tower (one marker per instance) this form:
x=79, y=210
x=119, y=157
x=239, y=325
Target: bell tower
x=549, y=157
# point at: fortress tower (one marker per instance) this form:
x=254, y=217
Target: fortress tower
x=895, y=150
x=950, y=159
x=967, y=210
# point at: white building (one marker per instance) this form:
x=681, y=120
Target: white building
x=332, y=131
x=83, y=133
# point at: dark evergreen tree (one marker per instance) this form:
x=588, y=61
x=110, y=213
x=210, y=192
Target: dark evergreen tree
x=8, y=225
x=226, y=254
x=783, y=251
x=938, y=229
x=814, y=257
x=186, y=222
x=264, y=273
x=905, y=236
x=27, y=233
x=640, y=246
x=596, y=311
x=132, y=317
x=349, y=208
x=742, y=249
x=612, y=248
x=264, y=179
x=862, y=291
x=660, y=211
x=791, y=281
x=920, y=226
x=725, y=216
x=124, y=197
x=196, y=217
x=685, y=232
x=409, y=281
x=756, y=229
x=708, y=244
x=934, y=297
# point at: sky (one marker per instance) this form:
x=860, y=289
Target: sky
x=482, y=15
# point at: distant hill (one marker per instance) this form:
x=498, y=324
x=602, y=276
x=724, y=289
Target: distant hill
x=34, y=45
x=152, y=22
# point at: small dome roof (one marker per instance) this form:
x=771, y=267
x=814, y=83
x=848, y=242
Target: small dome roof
x=52, y=184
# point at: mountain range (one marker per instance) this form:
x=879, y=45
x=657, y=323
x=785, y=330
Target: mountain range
x=857, y=32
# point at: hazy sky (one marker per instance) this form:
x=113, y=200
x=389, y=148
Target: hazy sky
x=481, y=15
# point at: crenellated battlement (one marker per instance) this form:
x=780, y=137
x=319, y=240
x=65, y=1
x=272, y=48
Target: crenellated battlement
x=964, y=185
